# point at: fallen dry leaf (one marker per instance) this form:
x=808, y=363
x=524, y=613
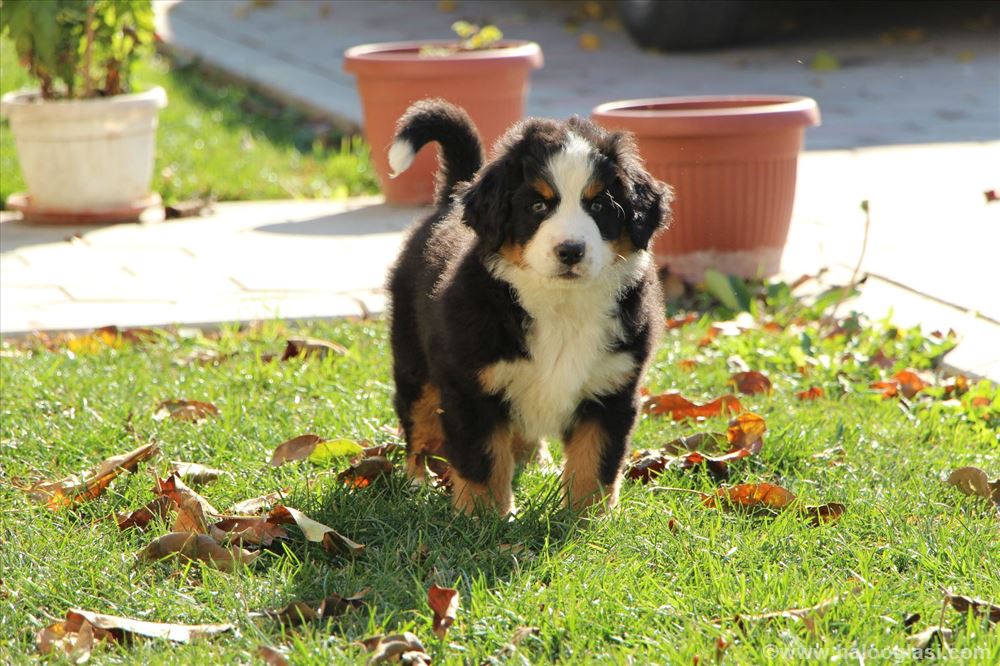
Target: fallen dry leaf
x=272, y=656
x=311, y=348
x=687, y=364
x=979, y=606
x=910, y=383
x=258, y=504
x=80, y=628
x=807, y=616
x=179, y=493
x=825, y=513
x=751, y=382
x=812, y=393
x=188, y=546
x=682, y=320
x=195, y=473
x=190, y=517
x=331, y=540
x=243, y=530
x=973, y=481
x=362, y=473
x=746, y=432
x=193, y=411
x=315, y=448
x=90, y=485
x=750, y=496
x=300, y=612
x=159, y=507
x=403, y=648
x=680, y=407
x=925, y=639
x=957, y=385
x=444, y=601
x=889, y=389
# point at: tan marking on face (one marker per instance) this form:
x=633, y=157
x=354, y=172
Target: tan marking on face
x=543, y=188
x=581, y=472
x=496, y=493
x=513, y=252
x=426, y=434
x=592, y=189
x=623, y=246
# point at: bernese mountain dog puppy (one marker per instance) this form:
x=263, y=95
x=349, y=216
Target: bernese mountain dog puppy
x=526, y=305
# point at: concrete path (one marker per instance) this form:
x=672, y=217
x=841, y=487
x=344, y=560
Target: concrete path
x=931, y=84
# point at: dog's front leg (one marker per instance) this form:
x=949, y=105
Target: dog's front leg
x=479, y=444
x=595, y=448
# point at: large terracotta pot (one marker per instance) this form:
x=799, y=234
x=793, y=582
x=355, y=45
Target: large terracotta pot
x=732, y=162
x=490, y=84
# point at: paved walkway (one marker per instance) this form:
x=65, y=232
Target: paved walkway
x=932, y=238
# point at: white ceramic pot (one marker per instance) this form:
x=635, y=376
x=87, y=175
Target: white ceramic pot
x=88, y=155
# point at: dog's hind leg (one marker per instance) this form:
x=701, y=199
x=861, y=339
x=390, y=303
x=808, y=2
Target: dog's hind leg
x=424, y=435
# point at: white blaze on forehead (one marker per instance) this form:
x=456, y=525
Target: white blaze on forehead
x=572, y=168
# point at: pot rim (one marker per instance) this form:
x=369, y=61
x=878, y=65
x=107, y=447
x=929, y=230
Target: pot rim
x=30, y=101
x=740, y=113
x=404, y=57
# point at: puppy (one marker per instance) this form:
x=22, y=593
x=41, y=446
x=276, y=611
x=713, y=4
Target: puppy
x=526, y=305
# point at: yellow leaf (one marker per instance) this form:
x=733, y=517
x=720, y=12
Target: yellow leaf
x=824, y=61
x=335, y=448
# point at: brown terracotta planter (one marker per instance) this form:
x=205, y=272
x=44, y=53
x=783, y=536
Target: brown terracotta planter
x=490, y=85
x=732, y=162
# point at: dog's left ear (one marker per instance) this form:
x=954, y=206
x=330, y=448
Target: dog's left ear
x=647, y=200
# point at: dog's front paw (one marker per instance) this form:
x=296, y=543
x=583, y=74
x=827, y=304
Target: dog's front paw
x=469, y=497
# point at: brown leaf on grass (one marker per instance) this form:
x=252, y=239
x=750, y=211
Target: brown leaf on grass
x=272, y=656
x=365, y=471
x=159, y=507
x=444, y=601
x=889, y=389
x=980, y=401
x=835, y=454
x=402, y=648
x=807, y=616
x=680, y=407
x=880, y=360
x=825, y=513
x=746, y=432
x=925, y=639
x=258, y=504
x=300, y=612
x=973, y=481
x=682, y=320
x=687, y=364
x=979, y=606
x=188, y=546
x=296, y=448
x=910, y=383
x=751, y=382
x=179, y=493
x=78, y=488
x=709, y=336
x=81, y=628
x=190, y=517
x=242, y=530
x=683, y=453
x=195, y=473
x=957, y=385
x=750, y=496
x=383, y=449
x=202, y=357
x=311, y=348
x=812, y=393
x=331, y=540
x=193, y=411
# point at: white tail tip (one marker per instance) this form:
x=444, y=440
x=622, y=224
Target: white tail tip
x=400, y=157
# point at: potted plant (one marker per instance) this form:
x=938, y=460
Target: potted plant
x=481, y=72
x=85, y=140
x=732, y=162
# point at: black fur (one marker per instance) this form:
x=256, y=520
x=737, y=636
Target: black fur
x=451, y=317
x=450, y=126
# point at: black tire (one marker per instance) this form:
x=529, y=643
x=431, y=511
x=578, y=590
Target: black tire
x=683, y=24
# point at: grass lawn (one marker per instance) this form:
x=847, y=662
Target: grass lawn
x=218, y=138
x=645, y=584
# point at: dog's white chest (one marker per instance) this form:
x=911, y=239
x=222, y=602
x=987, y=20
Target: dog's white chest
x=569, y=361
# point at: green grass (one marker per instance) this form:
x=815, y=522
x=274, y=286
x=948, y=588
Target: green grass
x=631, y=587
x=218, y=138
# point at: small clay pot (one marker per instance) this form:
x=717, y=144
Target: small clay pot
x=732, y=162
x=490, y=84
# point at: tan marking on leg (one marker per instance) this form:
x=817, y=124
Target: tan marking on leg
x=426, y=434
x=513, y=253
x=581, y=472
x=593, y=188
x=524, y=450
x=543, y=188
x=496, y=493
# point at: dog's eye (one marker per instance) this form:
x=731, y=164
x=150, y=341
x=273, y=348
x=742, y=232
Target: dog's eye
x=596, y=206
x=539, y=207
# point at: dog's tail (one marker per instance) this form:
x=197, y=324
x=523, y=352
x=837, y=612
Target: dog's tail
x=437, y=120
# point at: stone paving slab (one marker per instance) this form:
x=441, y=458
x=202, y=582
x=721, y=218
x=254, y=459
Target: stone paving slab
x=943, y=87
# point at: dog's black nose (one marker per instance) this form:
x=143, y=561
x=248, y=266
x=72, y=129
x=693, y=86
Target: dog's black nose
x=570, y=252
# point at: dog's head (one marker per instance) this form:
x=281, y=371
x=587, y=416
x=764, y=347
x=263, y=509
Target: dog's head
x=565, y=201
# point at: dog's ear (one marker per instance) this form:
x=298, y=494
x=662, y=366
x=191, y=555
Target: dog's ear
x=486, y=204
x=647, y=200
